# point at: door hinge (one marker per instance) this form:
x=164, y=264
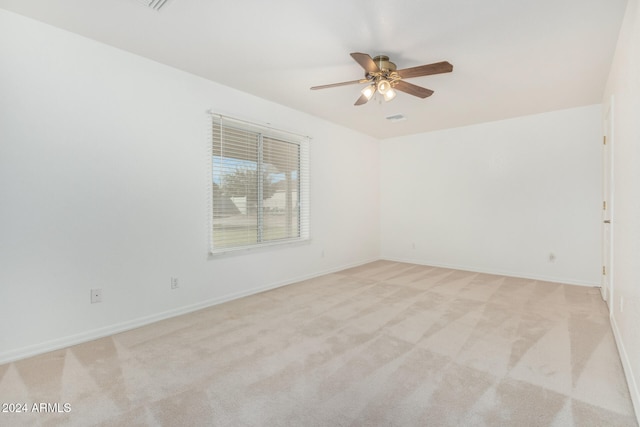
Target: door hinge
x=604, y=140
x=604, y=270
x=604, y=205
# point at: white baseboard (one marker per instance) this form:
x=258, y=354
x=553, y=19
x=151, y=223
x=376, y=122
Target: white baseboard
x=496, y=272
x=634, y=391
x=57, y=344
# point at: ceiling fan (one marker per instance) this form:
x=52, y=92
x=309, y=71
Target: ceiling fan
x=381, y=75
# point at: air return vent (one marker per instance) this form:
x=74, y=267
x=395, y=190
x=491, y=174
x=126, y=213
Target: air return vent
x=154, y=4
x=396, y=118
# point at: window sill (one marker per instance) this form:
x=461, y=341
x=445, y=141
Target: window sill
x=213, y=254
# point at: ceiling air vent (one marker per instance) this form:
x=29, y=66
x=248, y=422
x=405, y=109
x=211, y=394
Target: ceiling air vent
x=154, y=4
x=396, y=118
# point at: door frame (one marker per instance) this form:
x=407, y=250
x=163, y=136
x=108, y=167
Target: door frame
x=607, y=224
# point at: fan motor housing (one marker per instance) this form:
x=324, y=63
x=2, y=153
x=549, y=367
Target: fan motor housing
x=382, y=61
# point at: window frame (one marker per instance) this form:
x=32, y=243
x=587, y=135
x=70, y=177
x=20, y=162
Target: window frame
x=220, y=123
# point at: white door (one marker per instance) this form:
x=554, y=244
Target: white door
x=607, y=207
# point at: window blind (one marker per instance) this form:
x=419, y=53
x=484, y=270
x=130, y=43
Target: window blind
x=260, y=185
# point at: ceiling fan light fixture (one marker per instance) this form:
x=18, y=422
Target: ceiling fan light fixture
x=382, y=75
x=389, y=95
x=369, y=91
x=384, y=86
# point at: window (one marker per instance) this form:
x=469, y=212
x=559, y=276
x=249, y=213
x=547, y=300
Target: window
x=260, y=186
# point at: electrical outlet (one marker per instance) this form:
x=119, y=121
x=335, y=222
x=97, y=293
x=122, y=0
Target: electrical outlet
x=174, y=283
x=96, y=295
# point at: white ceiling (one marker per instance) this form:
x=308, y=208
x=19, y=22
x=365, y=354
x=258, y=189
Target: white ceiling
x=510, y=57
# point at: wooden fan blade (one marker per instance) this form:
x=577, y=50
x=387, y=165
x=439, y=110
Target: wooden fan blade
x=412, y=89
x=362, y=100
x=353, y=82
x=426, y=70
x=365, y=62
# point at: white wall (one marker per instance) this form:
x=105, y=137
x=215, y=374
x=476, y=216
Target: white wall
x=624, y=86
x=498, y=197
x=103, y=184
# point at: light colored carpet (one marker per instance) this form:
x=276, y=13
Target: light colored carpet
x=384, y=344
